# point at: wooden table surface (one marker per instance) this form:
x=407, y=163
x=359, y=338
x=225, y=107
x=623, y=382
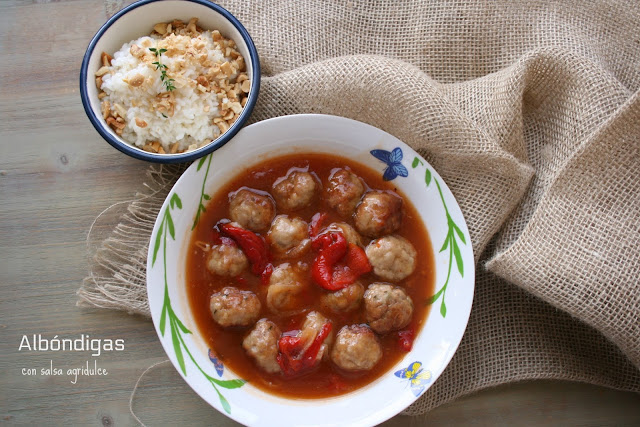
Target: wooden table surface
x=56, y=176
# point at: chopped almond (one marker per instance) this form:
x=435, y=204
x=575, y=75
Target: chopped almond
x=160, y=28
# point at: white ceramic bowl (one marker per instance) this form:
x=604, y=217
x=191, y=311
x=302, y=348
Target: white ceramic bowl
x=433, y=347
x=137, y=20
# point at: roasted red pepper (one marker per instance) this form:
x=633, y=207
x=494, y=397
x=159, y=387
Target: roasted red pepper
x=357, y=260
x=253, y=246
x=292, y=360
x=332, y=247
x=316, y=223
x=405, y=339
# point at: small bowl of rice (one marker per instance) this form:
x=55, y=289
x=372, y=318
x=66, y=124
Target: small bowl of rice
x=170, y=81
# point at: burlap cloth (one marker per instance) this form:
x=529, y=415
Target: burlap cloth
x=530, y=110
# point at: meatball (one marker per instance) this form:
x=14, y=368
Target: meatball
x=348, y=231
x=227, y=260
x=310, y=329
x=285, y=291
x=387, y=307
x=288, y=235
x=344, y=190
x=262, y=345
x=233, y=307
x=252, y=209
x=294, y=191
x=392, y=257
x=345, y=300
x=356, y=349
x=379, y=213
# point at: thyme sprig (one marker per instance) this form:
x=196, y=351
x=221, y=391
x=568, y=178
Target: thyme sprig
x=168, y=82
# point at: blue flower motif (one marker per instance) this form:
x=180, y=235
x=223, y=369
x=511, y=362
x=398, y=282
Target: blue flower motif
x=393, y=160
x=217, y=363
x=418, y=378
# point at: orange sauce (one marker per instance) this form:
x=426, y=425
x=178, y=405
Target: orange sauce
x=327, y=380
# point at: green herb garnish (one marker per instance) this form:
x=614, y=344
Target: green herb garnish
x=168, y=82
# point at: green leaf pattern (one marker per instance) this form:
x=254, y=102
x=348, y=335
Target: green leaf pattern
x=454, y=233
x=203, y=195
x=176, y=326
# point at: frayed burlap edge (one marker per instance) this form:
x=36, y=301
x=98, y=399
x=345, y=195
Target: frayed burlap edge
x=117, y=275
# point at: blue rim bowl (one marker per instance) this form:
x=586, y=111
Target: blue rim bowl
x=114, y=33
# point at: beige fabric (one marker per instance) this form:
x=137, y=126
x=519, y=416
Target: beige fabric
x=530, y=110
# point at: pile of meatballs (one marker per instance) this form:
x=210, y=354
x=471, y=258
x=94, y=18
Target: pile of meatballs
x=375, y=214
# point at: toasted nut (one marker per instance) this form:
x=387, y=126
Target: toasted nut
x=241, y=77
x=141, y=123
x=206, y=108
x=155, y=145
x=244, y=101
x=246, y=86
x=149, y=148
x=169, y=28
x=191, y=26
x=106, y=59
x=236, y=107
x=120, y=110
x=99, y=82
x=223, y=126
x=229, y=115
x=231, y=94
x=215, y=34
x=102, y=95
x=161, y=150
x=136, y=80
x=105, y=108
x=173, y=148
x=119, y=120
x=160, y=28
x=102, y=71
x=203, y=81
x=226, y=68
x=136, y=51
x=115, y=124
x=202, y=88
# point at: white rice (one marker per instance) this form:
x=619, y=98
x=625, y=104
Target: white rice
x=191, y=124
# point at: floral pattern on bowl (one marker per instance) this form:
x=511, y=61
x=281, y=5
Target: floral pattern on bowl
x=433, y=347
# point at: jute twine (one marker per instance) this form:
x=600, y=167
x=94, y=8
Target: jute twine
x=530, y=111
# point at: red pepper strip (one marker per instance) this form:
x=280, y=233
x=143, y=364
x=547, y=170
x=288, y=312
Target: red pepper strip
x=266, y=274
x=289, y=358
x=405, y=339
x=332, y=247
x=253, y=246
x=316, y=223
x=342, y=277
x=357, y=260
x=217, y=239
